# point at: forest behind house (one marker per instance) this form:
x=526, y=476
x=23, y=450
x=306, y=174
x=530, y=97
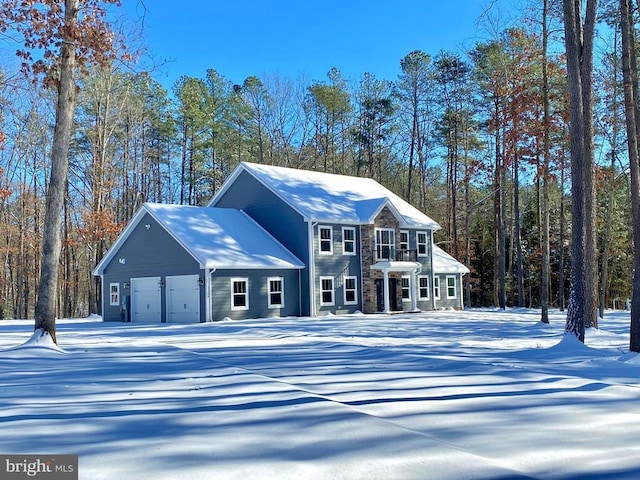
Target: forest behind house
x=477, y=139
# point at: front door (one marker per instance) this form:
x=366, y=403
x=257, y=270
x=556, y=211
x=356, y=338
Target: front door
x=393, y=294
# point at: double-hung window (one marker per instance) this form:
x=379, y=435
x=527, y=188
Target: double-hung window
x=404, y=240
x=451, y=286
x=114, y=294
x=239, y=294
x=423, y=287
x=350, y=290
x=326, y=291
x=406, y=288
x=325, y=239
x=385, y=243
x=436, y=287
x=275, y=286
x=421, y=242
x=348, y=241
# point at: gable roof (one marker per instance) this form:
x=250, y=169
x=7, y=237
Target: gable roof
x=331, y=198
x=445, y=263
x=214, y=237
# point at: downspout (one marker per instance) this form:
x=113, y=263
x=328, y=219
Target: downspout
x=433, y=274
x=102, y=297
x=312, y=271
x=208, y=273
x=361, y=289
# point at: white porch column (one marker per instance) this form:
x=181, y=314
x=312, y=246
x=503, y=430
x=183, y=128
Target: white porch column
x=385, y=289
x=414, y=291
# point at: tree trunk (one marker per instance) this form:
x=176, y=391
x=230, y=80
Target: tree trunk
x=579, y=50
x=45, y=311
x=544, y=210
x=631, y=112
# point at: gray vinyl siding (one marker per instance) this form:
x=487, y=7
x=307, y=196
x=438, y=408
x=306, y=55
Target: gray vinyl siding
x=279, y=219
x=426, y=265
x=258, y=294
x=147, y=253
x=337, y=265
x=445, y=302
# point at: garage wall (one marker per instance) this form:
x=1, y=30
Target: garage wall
x=148, y=252
x=257, y=288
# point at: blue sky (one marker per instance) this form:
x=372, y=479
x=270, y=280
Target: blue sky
x=300, y=38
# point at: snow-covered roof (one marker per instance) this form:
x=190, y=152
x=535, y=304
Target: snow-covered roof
x=445, y=263
x=331, y=198
x=215, y=237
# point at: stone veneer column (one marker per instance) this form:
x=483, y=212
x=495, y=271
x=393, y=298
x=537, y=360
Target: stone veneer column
x=385, y=219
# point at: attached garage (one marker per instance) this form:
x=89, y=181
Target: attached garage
x=146, y=300
x=183, y=299
x=163, y=265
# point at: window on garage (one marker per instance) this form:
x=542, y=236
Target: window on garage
x=239, y=294
x=114, y=294
x=276, y=292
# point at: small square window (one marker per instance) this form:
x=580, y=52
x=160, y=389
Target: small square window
x=114, y=294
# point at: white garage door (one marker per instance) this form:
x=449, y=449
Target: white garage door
x=183, y=299
x=146, y=300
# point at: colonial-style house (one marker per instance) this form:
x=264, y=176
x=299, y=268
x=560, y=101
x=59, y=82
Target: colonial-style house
x=277, y=241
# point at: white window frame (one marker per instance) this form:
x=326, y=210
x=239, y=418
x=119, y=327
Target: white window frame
x=233, y=281
x=420, y=287
x=404, y=245
x=406, y=288
x=354, y=290
x=436, y=287
x=454, y=286
x=332, y=290
x=114, y=294
x=391, y=245
x=350, y=241
x=425, y=244
x=271, y=292
x=320, y=240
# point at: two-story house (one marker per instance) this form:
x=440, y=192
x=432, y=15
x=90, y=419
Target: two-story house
x=334, y=244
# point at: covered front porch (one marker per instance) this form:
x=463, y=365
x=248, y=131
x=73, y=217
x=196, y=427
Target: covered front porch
x=386, y=287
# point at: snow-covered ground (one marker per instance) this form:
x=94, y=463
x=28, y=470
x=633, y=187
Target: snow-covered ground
x=438, y=395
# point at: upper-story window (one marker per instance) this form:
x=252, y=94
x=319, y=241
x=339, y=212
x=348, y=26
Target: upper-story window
x=325, y=240
x=421, y=241
x=385, y=243
x=348, y=241
x=403, y=242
